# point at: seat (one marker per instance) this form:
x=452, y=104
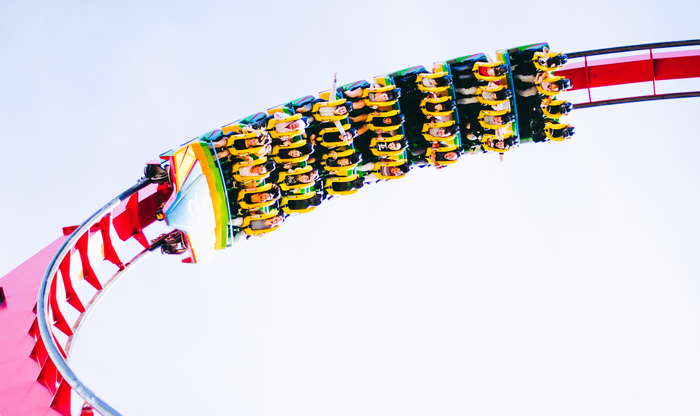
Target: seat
x=487, y=141
x=273, y=122
x=442, y=150
x=410, y=71
x=391, y=154
x=234, y=138
x=233, y=128
x=486, y=125
x=328, y=104
x=548, y=57
x=500, y=88
x=499, y=66
x=297, y=197
x=386, y=88
x=300, y=159
x=248, y=179
x=250, y=191
x=430, y=138
x=300, y=102
x=433, y=75
x=440, y=100
x=281, y=155
x=341, y=154
x=328, y=185
x=464, y=61
x=383, y=114
x=330, y=144
x=385, y=164
x=552, y=79
x=297, y=142
x=255, y=121
x=281, y=180
x=558, y=132
x=245, y=227
x=361, y=84
x=211, y=136
x=556, y=109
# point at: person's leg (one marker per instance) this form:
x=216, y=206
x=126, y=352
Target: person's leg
x=421, y=163
x=221, y=142
x=469, y=111
x=465, y=101
x=539, y=136
x=530, y=79
x=304, y=108
x=371, y=178
x=527, y=92
x=522, y=56
x=367, y=167
x=466, y=91
x=358, y=119
x=528, y=68
x=357, y=92
x=467, y=82
x=362, y=130
x=240, y=235
x=357, y=105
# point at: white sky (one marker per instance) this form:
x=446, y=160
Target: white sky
x=562, y=282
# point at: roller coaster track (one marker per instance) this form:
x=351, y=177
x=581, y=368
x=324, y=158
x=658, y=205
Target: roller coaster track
x=98, y=239
x=648, y=67
x=27, y=325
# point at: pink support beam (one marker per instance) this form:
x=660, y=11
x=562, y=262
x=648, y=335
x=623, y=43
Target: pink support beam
x=21, y=355
x=30, y=385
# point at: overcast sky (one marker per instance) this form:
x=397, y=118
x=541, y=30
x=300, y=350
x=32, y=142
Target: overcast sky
x=561, y=282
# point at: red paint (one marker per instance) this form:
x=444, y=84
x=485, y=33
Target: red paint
x=29, y=382
x=675, y=65
x=61, y=401
x=20, y=393
x=630, y=69
x=88, y=273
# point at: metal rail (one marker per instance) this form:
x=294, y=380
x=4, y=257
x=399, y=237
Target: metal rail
x=638, y=99
x=43, y=317
x=631, y=48
x=98, y=296
x=624, y=71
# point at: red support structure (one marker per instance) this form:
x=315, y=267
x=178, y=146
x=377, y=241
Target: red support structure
x=30, y=385
x=649, y=65
x=48, y=376
x=58, y=318
x=88, y=272
x=631, y=69
x=676, y=65
x=87, y=410
x=61, y=400
x=39, y=352
x=132, y=207
x=109, y=251
x=71, y=295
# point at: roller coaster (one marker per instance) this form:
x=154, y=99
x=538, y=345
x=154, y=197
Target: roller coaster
x=247, y=178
